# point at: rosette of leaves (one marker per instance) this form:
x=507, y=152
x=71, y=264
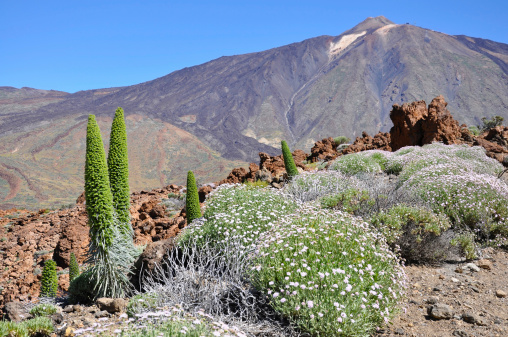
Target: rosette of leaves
x=49, y=280
x=289, y=162
x=193, y=208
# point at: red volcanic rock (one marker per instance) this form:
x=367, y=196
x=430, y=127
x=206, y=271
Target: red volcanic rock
x=324, y=150
x=240, y=175
x=498, y=135
x=415, y=124
x=381, y=141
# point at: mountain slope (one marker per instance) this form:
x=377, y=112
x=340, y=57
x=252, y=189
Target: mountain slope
x=237, y=106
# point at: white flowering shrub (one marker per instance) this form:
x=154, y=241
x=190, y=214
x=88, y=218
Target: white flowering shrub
x=355, y=163
x=310, y=186
x=329, y=273
x=239, y=213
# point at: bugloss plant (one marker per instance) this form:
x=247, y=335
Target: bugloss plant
x=49, y=280
x=73, y=267
x=329, y=273
x=193, y=208
x=355, y=163
x=110, y=251
x=289, y=162
x=118, y=169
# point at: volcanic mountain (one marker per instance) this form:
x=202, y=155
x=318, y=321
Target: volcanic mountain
x=218, y=115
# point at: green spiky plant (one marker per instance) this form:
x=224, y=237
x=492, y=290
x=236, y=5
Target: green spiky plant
x=108, y=251
x=73, y=268
x=192, y=201
x=118, y=168
x=49, y=280
x=289, y=162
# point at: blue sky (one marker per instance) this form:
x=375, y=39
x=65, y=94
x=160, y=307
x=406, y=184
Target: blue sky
x=80, y=45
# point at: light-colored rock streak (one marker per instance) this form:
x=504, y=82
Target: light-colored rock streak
x=344, y=42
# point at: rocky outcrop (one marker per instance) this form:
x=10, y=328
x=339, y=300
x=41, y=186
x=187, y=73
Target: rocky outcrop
x=323, y=150
x=415, y=124
x=381, y=141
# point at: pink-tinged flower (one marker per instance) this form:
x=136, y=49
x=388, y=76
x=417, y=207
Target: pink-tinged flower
x=349, y=287
x=297, y=308
x=282, y=300
x=339, y=319
x=310, y=304
x=275, y=294
x=312, y=316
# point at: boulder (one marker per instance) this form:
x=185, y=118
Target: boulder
x=111, y=305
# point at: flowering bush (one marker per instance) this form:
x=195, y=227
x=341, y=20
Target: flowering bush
x=310, y=186
x=355, y=163
x=240, y=213
x=329, y=273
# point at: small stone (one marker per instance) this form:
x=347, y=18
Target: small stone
x=472, y=267
x=101, y=314
x=77, y=308
x=441, y=277
x=433, y=300
x=460, y=333
x=436, y=289
x=459, y=270
x=57, y=318
x=484, y=264
x=69, y=332
x=454, y=280
x=473, y=319
x=112, y=305
x=416, y=285
x=410, y=325
x=400, y=331
x=68, y=309
x=500, y=293
x=440, y=311
x=476, y=290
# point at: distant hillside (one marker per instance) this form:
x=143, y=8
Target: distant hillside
x=237, y=106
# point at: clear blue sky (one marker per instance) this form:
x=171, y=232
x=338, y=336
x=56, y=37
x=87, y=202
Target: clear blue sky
x=79, y=45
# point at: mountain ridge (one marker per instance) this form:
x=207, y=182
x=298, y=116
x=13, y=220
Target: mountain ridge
x=237, y=106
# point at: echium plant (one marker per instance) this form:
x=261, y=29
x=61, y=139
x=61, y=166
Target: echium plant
x=73, y=268
x=49, y=281
x=109, y=253
x=289, y=162
x=118, y=168
x=192, y=202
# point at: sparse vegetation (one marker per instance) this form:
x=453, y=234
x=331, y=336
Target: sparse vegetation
x=45, y=309
x=490, y=123
x=341, y=140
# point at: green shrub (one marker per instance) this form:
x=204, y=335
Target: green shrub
x=466, y=243
x=417, y=232
x=352, y=201
x=193, y=208
x=39, y=326
x=257, y=184
x=81, y=289
x=329, y=273
x=13, y=329
x=289, y=162
x=44, y=309
x=49, y=280
x=475, y=131
x=355, y=163
x=341, y=140
x=142, y=303
x=73, y=267
x=118, y=168
x=490, y=123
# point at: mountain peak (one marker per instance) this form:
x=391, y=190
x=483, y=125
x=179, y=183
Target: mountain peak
x=370, y=24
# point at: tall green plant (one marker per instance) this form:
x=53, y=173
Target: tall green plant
x=109, y=252
x=118, y=168
x=192, y=201
x=73, y=268
x=49, y=280
x=289, y=162
x=99, y=200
